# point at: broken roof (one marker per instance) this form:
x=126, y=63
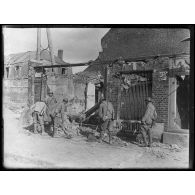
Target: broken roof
x=141, y=42
x=24, y=57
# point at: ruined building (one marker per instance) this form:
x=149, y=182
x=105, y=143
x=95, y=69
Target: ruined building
x=152, y=62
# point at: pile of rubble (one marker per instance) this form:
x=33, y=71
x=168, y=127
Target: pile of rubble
x=172, y=147
x=93, y=135
x=160, y=150
x=16, y=108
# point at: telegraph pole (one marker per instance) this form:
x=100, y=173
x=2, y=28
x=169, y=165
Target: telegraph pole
x=50, y=46
x=38, y=56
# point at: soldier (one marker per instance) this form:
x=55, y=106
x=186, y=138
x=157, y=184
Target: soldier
x=106, y=114
x=51, y=103
x=38, y=111
x=148, y=121
x=61, y=118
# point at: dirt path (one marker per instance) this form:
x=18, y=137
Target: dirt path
x=23, y=149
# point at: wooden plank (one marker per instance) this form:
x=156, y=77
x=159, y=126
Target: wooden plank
x=128, y=105
x=133, y=103
x=105, y=82
x=146, y=75
x=119, y=100
x=139, y=100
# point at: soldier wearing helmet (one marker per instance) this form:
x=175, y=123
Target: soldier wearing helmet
x=61, y=118
x=51, y=103
x=148, y=121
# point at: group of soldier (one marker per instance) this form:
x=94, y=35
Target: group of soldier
x=106, y=114
x=57, y=114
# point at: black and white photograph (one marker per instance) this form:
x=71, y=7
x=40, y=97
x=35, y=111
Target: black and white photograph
x=92, y=97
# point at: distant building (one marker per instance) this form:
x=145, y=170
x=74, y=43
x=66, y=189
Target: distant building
x=16, y=65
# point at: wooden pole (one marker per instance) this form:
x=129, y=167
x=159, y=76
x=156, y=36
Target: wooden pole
x=119, y=100
x=29, y=85
x=33, y=86
x=119, y=97
x=86, y=87
x=105, y=82
x=38, y=57
x=50, y=46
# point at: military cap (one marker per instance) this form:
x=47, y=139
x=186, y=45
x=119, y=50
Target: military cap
x=149, y=99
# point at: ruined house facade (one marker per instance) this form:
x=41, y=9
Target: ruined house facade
x=153, y=62
x=58, y=80
x=16, y=70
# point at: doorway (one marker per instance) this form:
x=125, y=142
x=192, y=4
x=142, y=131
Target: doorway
x=182, y=100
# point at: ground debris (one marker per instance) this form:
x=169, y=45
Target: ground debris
x=93, y=135
x=172, y=147
x=159, y=153
x=161, y=145
x=160, y=150
x=15, y=108
x=175, y=147
x=117, y=141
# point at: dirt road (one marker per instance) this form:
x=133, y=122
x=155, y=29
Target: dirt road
x=23, y=149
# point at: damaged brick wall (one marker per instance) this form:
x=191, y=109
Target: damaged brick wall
x=160, y=88
x=113, y=86
x=159, y=85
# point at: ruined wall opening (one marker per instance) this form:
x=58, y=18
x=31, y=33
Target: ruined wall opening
x=133, y=98
x=182, y=99
x=63, y=70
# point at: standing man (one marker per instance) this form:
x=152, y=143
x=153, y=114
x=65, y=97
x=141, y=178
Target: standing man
x=51, y=103
x=38, y=111
x=148, y=121
x=61, y=118
x=106, y=114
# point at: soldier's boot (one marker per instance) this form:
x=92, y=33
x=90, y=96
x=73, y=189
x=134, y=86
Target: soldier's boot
x=35, y=128
x=43, y=130
x=144, y=138
x=101, y=136
x=149, y=138
x=68, y=136
x=110, y=137
x=55, y=132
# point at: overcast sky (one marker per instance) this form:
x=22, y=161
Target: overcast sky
x=78, y=44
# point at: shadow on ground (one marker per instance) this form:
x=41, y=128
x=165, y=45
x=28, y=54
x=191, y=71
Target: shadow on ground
x=127, y=137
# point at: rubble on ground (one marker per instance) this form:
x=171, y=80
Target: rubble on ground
x=16, y=108
x=117, y=141
x=161, y=150
x=172, y=147
x=93, y=135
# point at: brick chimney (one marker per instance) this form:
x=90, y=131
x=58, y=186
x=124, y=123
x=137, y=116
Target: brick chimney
x=60, y=54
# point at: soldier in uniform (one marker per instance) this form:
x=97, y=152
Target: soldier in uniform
x=61, y=118
x=148, y=121
x=51, y=103
x=106, y=114
x=38, y=111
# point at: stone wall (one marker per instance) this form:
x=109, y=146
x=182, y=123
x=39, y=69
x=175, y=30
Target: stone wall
x=15, y=91
x=65, y=87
